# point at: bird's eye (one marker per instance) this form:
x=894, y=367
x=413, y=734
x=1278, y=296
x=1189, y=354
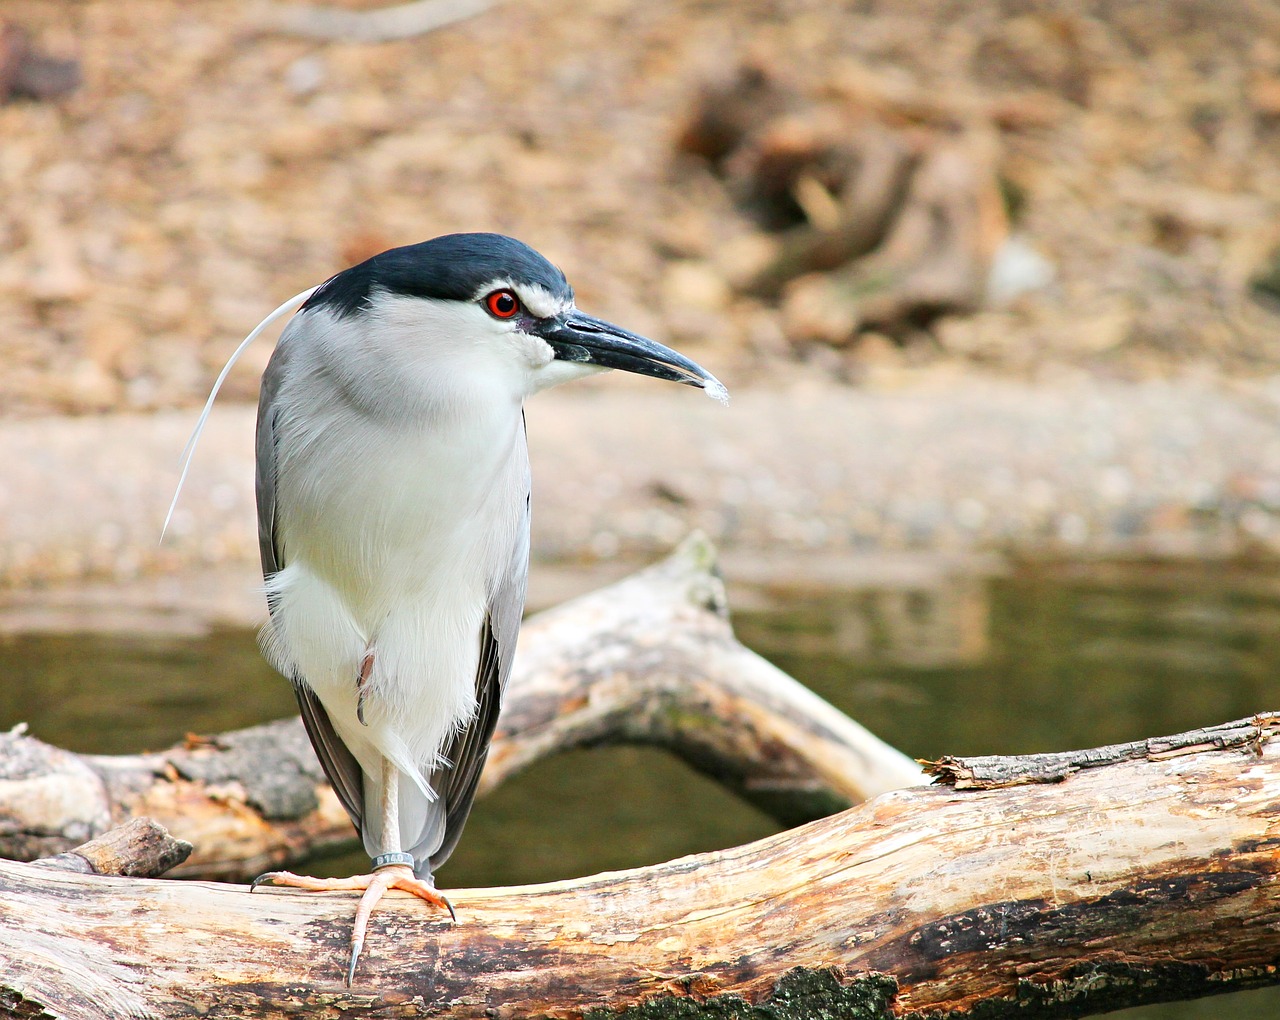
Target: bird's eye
x=502, y=304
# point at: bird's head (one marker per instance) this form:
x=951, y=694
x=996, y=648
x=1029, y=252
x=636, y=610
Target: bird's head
x=479, y=310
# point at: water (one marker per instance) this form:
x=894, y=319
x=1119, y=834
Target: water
x=1042, y=658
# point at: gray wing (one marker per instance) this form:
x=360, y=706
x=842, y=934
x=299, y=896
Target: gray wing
x=339, y=764
x=469, y=749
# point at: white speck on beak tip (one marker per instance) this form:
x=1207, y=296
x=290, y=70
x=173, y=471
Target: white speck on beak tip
x=716, y=391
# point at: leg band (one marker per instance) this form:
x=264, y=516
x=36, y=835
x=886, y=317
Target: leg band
x=387, y=860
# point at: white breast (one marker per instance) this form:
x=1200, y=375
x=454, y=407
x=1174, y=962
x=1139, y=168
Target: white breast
x=393, y=528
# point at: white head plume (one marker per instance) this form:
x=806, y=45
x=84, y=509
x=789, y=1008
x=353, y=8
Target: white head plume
x=189, y=450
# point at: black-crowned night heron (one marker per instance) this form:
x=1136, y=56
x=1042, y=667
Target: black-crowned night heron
x=393, y=520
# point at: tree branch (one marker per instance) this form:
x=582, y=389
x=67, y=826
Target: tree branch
x=989, y=772
x=1135, y=881
x=138, y=849
x=651, y=659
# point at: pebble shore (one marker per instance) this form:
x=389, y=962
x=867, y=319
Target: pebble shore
x=623, y=470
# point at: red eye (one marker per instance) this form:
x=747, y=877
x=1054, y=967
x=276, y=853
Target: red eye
x=502, y=304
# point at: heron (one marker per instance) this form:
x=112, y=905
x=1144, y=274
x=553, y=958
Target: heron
x=393, y=495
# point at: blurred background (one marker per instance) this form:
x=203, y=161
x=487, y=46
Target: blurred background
x=856, y=186
x=996, y=287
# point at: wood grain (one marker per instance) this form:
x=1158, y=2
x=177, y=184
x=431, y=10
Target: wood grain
x=1130, y=882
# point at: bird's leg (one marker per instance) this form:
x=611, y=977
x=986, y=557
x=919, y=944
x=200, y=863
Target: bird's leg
x=362, y=683
x=392, y=869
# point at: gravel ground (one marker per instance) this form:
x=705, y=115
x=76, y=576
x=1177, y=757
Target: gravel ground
x=207, y=168
x=811, y=473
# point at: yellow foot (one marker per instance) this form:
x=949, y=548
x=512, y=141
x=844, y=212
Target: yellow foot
x=394, y=876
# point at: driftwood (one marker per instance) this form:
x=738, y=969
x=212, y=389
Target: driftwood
x=885, y=209
x=651, y=659
x=989, y=772
x=1129, y=882
x=1055, y=885
x=382, y=24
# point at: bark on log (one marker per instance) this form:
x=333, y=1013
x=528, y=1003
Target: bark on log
x=651, y=659
x=1133, y=881
x=140, y=848
x=991, y=771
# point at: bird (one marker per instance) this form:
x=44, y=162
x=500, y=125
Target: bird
x=393, y=495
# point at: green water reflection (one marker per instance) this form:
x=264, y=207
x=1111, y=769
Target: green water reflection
x=1048, y=658
x=1045, y=658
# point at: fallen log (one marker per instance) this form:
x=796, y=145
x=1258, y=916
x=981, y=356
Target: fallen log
x=1138, y=880
x=651, y=659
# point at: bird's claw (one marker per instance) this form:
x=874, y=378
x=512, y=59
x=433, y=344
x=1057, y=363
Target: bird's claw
x=394, y=876
x=356, y=946
x=372, y=887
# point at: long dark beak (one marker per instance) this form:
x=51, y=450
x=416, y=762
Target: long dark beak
x=584, y=338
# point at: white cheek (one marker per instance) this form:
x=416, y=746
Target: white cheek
x=557, y=372
x=537, y=352
x=542, y=369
